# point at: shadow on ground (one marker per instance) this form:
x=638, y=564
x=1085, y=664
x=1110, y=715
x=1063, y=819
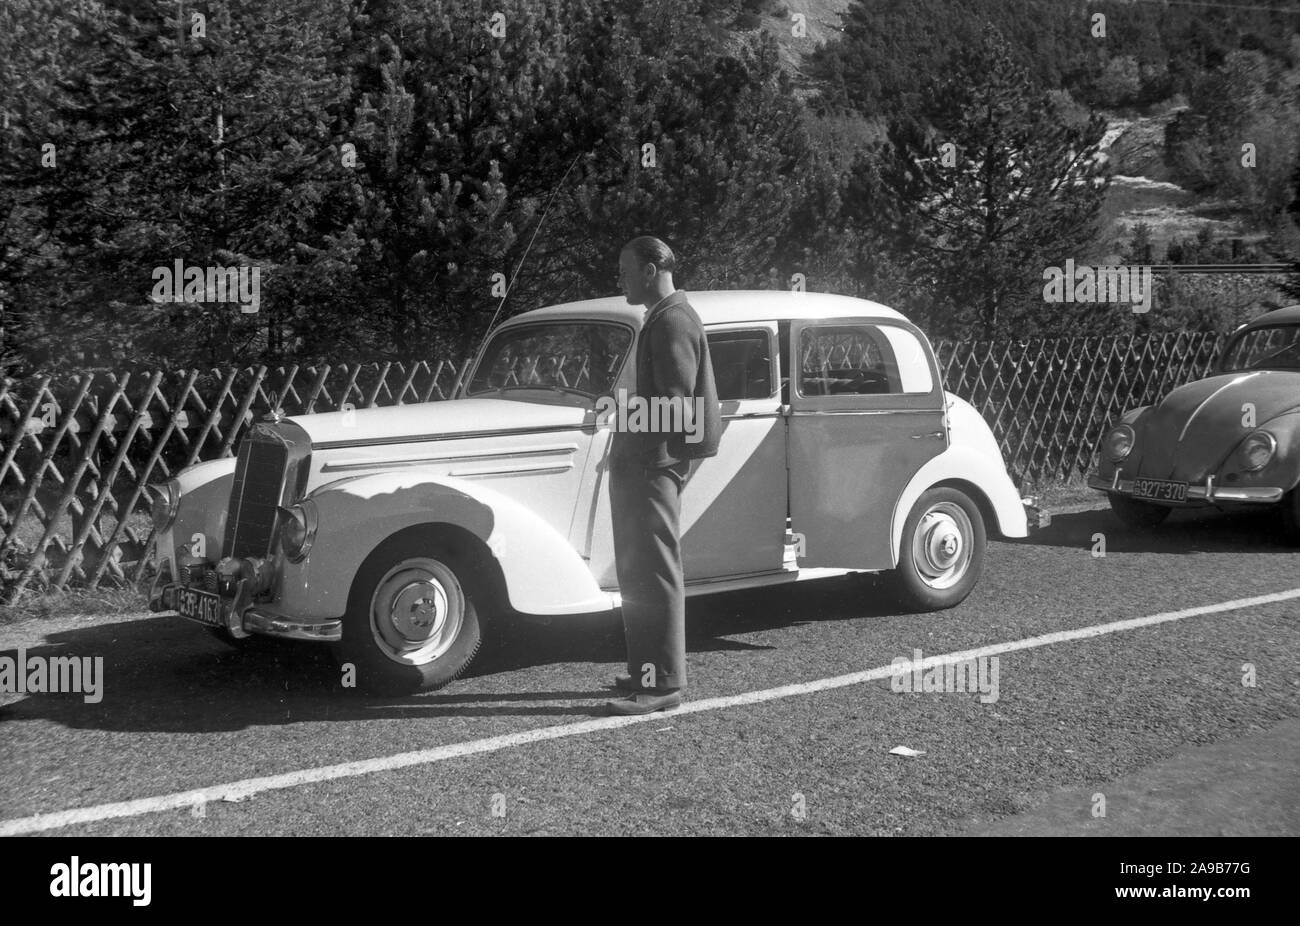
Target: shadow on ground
x=165, y=674
x=1205, y=530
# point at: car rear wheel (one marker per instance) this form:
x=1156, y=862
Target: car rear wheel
x=942, y=551
x=413, y=621
x=1137, y=514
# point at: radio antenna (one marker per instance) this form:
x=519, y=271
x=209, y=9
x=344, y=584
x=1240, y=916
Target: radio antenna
x=510, y=285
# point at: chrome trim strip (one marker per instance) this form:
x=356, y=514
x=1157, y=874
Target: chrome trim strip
x=351, y=464
x=801, y=413
x=515, y=470
x=459, y=435
x=1209, y=399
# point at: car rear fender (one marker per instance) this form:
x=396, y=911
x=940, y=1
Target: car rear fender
x=972, y=462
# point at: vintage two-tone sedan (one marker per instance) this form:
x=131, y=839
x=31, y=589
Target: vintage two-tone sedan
x=397, y=533
x=1230, y=440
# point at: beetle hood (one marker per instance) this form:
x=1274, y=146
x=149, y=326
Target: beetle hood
x=401, y=423
x=1189, y=434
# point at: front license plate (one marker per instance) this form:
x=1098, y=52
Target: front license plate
x=199, y=606
x=1160, y=490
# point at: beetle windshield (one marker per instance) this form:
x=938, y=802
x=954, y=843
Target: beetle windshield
x=1273, y=348
x=582, y=358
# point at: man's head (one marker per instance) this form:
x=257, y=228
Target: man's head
x=645, y=270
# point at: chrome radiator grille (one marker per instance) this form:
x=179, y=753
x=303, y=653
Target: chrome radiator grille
x=271, y=471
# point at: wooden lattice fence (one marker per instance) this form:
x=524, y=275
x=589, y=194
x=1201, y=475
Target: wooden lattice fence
x=76, y=452
x=1048, y=400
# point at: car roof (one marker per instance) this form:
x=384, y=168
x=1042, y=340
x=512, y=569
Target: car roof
x=716, y=307
x=1285, y=316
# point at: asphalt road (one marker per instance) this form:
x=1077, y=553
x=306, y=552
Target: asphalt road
x=1155, y=719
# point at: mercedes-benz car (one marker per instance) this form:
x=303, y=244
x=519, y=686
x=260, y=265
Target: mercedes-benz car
x=1230, y=440
x=400, y=534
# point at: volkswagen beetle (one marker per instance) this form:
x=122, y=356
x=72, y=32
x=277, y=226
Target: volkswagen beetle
x=397, y=534
x=1230, y=440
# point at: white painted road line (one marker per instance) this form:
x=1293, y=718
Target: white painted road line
x=240, y=790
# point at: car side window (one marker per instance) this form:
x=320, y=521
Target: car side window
x=862, y=360
x=742, y=364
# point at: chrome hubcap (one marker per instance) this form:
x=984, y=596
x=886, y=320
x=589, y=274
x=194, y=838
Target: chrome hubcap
x=941, y=546
x=416, y=611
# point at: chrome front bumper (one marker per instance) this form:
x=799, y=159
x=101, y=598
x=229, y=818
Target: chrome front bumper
x=276, y=625
x=1208, y=492
x=246, y=619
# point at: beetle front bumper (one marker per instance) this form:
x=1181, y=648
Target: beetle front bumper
x=1208, y=493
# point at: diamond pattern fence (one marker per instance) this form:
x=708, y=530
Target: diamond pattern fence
x=77, y=451
x=1049, y=400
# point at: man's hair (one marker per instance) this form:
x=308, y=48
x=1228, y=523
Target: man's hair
x=650, y=250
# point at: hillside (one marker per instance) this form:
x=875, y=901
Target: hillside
x=1145, y=188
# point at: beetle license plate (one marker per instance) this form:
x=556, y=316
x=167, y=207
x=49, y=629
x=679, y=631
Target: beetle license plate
x=1160, y=490
x=199, y=606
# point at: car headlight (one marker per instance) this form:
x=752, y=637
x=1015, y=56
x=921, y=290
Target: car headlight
x=298, y=529
x=1256, y=450
x=1118, y=443
x=164, y=500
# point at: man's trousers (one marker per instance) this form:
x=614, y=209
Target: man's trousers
x=645, y=506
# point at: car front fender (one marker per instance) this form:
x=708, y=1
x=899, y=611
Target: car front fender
x=1283, y=471
x=1132, y=418
x=543, y=573
x=205, y=496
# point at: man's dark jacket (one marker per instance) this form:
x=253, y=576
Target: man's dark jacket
x=672, y=359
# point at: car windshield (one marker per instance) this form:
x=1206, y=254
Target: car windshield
x=1272, y=348
x=578, y=358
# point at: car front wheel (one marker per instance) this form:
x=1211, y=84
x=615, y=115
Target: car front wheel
x=1137, y=514
x=413, y=620
x=942, y=551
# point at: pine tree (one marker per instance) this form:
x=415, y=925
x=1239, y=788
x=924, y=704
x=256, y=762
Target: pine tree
x=993, y=190
x=205, y=137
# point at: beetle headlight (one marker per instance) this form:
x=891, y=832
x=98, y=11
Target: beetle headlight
x=1256, y=450
x=298, y=529
x=165, y=499
x=1118, y=443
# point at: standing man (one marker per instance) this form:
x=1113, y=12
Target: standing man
x=649, y=467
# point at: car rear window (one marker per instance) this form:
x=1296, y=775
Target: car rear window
x=862, y=360
x=1273, y=348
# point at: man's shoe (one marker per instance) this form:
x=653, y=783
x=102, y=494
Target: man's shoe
x=626, y=683
x=646, y=702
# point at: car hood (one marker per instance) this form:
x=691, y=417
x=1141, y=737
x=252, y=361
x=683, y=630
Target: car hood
x=431, y=420
x=1190, y=433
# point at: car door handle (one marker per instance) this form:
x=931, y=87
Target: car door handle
x=923, y=436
